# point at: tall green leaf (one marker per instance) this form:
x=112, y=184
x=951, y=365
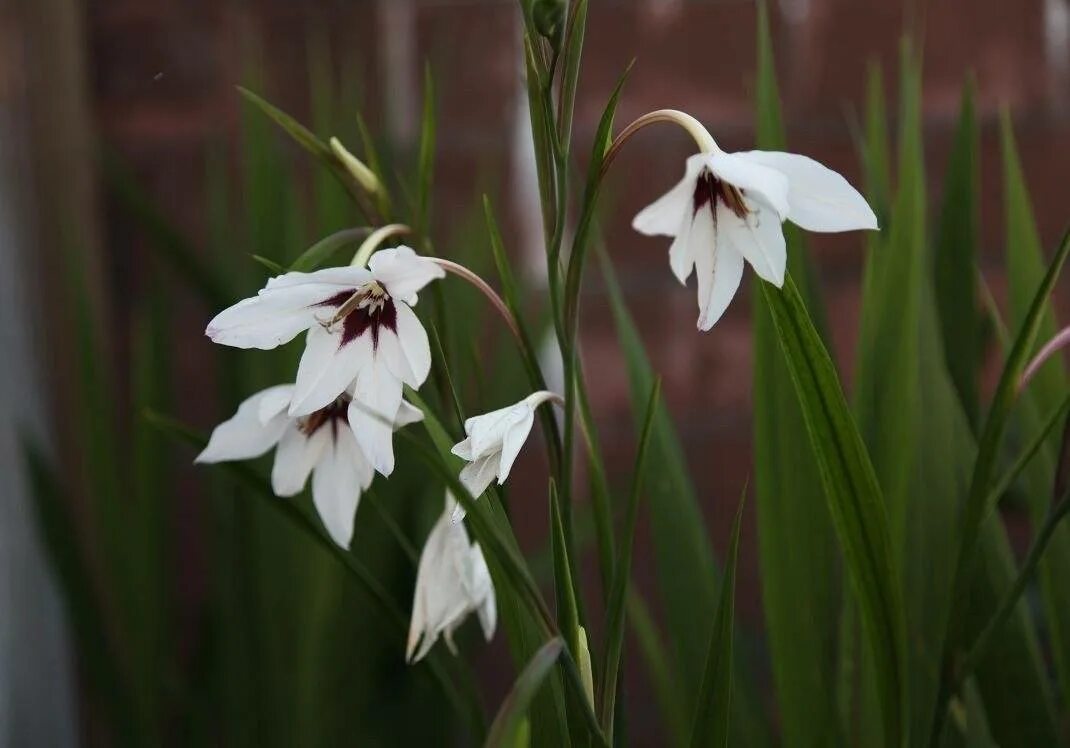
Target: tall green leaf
x=853, y=497
x=506, y=728
x=1025, y=271
x=797, y=550
x=710, y=726
x=955, y=259
x=686, y=570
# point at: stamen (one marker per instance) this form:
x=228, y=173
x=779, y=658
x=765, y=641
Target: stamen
x=329, y=415
x=709, y=189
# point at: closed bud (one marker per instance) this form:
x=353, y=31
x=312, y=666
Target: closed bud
x=547, y=15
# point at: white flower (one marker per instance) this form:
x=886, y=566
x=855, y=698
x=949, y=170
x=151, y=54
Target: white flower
x=494, y=440
x=452, y=581
x=321, y=443
x=729, y=207
x=362, y=337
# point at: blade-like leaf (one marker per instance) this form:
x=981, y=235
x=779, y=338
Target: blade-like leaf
x=797, y=549
x=710, y=726
x=954, y=260
x=505, y=730
x=615, y=609
x=323, y=250
x=853, y=496
x=426, y=164
x=684, y=562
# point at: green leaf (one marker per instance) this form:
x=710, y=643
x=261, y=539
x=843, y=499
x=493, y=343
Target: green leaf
x=683, y=558
x=574, y=33
x=426, y=165
x=323, y=250
x=977, y=507
x=588, y=210
x=506, y=728
x=316, y=147
x=615, y=608
x=955, y=263
x=1025, y=269
x=853, y=496
x=568, y=620
x=309, y=526
x=797, y=549
x=711, y=721
x=910, y=413
x=272, y=267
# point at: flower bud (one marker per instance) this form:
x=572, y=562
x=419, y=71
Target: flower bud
x=547, y=15
x=364, y=176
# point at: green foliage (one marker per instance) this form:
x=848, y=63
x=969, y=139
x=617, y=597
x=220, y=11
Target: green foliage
x=895, y=610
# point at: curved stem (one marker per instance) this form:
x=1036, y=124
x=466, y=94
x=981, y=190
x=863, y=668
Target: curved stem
x=1059, y=341
x=694, y=128
x=377, y=237
x=484, y=288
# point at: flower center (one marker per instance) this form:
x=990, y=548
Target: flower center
x=709, y=189
x=328, y=416
x=369, y=307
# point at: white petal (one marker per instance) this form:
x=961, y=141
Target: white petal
x=407, y=413
x=295, y=457
x=487, y=431
x=327, y=368
x=759, y=237
x=464, y=449
x=376, y=400
x=681, y=251
x=752, y=178
x=663, y=216
x=819, y=199
x=414, y=345
x=719, y=271
x=343, y=277
x=287, y=305
x=488, y=607
x=275, y=401
x=255, y=323
x=514, y=440
x=403, y=272
x=477, y=476
x=245, y=435
x=338, y=479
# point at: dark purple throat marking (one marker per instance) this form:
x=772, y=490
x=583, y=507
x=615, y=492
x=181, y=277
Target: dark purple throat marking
x=709, y=189
x=374, y=310
x=331, y=416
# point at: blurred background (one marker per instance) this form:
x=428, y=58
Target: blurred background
x=129, y=164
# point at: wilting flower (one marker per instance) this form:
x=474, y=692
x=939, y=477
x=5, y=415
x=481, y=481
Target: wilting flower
x=729, y=207
x=452, y=581
x=321, y=443
x=494, y=440
x=363, y=337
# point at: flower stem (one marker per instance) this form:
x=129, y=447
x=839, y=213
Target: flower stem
x=377, y=237
x=484, y=288
x=1059, y=341
x=694, y=128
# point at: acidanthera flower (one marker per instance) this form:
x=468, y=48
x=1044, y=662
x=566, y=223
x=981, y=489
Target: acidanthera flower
x=494, y=440
x=321, y=443
x=729, y=207
x=363, y=337
x=452, y=581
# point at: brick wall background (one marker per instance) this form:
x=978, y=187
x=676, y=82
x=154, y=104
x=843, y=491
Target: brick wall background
x=160, y=76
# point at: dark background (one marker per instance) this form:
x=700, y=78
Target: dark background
x=152, y=81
